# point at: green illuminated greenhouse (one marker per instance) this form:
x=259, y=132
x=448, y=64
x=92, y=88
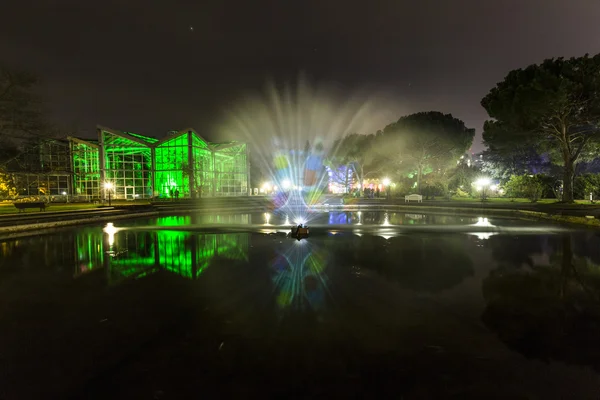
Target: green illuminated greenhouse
x=136, y=166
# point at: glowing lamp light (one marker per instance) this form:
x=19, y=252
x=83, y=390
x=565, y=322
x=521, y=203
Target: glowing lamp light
x=299, y=221
x=286, y=184
x=482, y=182
x=266, y=186
x=108, y=186
x=64, y=193
x=267, y=218
x=386, y=181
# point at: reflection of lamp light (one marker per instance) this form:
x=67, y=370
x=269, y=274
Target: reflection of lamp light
x=483, y=222
x=267, y=218
x=386, y=220
x=110, y=230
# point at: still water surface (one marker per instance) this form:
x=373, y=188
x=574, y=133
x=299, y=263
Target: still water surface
x=153, y=311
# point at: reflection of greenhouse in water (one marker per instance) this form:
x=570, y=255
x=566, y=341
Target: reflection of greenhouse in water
x=135, y=254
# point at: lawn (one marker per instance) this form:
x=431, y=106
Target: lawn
x=506, y=200
x=8, y=208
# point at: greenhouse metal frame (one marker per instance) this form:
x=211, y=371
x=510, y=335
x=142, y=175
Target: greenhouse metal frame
x=138, y=167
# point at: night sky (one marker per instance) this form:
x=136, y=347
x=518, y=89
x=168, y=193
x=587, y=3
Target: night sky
x=152, y=66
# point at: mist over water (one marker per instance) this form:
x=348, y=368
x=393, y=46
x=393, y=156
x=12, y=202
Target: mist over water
x=299, y=121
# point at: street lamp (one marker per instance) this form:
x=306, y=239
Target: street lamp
x=266, y=187
x=481, y=185
x=108, y=186
x=386, y=183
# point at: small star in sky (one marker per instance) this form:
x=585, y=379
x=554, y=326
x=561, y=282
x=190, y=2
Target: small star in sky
x=191, y=29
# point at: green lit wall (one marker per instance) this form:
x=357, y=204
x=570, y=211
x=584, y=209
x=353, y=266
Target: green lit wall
x=86, y=169
x=172, y=167
x=140, y=167
x=204, y=167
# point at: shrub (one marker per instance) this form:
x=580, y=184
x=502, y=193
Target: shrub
x=528, y=186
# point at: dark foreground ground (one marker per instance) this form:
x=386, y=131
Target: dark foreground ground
x=160, y=339
x=236, y=331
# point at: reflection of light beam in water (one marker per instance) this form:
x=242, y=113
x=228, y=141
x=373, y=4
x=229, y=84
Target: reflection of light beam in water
x=110, y=230
x=386, y=220
x=300, y=280
x=485, y=223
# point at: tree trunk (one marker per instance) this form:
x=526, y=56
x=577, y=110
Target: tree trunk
x=361, y=177
x=346, y=179
x=419, y=173
x=568, y=175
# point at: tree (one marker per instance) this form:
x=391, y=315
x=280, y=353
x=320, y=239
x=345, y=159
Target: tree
x=426, y=141
x=462, y=178
x=555, y=105
x=7, y=186
x=20, y=115
x=501, y=160
x=357, y=153
x=586, y=184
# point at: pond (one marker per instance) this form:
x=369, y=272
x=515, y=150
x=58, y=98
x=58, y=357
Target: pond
x=164, y=308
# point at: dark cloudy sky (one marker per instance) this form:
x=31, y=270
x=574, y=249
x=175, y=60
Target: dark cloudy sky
x=136, y=64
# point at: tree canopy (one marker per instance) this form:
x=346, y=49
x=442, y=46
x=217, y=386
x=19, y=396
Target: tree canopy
x=554, y=105
x=356, y=153
x=426, y=142
x=20, y=115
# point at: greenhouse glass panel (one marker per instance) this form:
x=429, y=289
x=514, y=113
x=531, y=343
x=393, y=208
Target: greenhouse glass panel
x=203, y=167
x=172, y=170
x=231, y=176
x=127, y=162
x=86, y=170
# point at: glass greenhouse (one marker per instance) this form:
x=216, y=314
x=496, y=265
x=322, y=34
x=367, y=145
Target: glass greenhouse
x=43, y=168
x=138, y=166
x=132, y=167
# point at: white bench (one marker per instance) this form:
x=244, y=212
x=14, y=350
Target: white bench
x=415, y=197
